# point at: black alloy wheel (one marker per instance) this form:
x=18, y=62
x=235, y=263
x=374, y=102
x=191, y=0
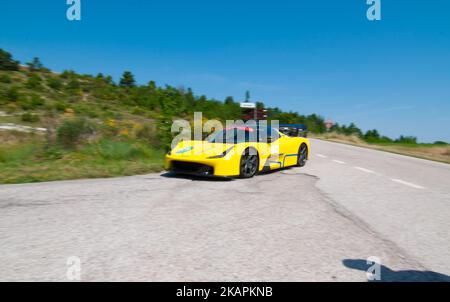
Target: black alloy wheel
x=302, y=155
x=249, y=164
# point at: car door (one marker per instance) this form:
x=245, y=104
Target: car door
x=289, y=150
x=269, y=149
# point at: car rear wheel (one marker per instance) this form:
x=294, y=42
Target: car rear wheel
x=302, y=155
x=249, y=164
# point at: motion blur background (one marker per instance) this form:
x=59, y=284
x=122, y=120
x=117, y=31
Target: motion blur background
x=320, y=57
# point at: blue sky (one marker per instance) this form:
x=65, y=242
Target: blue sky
x=316, y=56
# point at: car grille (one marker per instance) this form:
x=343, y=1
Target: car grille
x=191, y=168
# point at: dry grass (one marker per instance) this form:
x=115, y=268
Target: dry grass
x=425, y=151
x=10, y=138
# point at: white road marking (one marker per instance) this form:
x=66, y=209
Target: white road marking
x=321, y=155
x=339, y=162
x=407, y=183
x=364, y=170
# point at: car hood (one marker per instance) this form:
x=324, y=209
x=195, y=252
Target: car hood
x=199, y=149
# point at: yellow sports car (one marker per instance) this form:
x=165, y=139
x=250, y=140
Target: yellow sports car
x=238, y=152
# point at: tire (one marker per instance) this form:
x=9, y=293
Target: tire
x=249, y=164
x=302, y=156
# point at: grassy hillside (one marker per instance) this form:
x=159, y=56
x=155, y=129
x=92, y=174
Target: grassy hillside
x=94, y=127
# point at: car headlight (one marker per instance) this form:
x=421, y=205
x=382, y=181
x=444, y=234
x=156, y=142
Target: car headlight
x=224, y=153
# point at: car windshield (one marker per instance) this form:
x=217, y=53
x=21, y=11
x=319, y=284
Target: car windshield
x=238, y=135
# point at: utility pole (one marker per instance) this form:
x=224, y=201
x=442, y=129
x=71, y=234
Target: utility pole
x=247, y=96
x=255, y=110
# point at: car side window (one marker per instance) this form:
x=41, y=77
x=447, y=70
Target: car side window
x=268, y=135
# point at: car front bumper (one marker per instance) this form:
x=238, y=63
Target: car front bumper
x=221, y=167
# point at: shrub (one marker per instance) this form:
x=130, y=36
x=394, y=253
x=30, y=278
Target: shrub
x=12, y=94
x=91, y=113
x=54, y=83
x=73, y=85
x=147, y=133
x=138, y=111
x=34, y=82
x=86, y=110
x=440, y=143
x=52, y=153
x=30, y=118
x=25, y=103
x=4, y=78
x=61, y=106
x=3, y=156
x=67, y=74
x=37, y=101
x=72, y=131
x=164, y=136
x=406, y=140
x=11, y=108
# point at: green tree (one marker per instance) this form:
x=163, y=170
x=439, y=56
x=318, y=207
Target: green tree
x=229, y=100
x=259, y=105
x=35, y=65
x=127, y=80
x=353, y=130
x=314, y=122
x=372, y=135
x=406, y=140
x=7, y=62
x=190, y=100
x=109, y=80
x=152, y=86
x=164, y=134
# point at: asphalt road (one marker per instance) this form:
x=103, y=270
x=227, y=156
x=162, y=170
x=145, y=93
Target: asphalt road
x=317, y=223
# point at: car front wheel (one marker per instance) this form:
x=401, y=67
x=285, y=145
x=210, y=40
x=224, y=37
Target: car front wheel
x=249, y=164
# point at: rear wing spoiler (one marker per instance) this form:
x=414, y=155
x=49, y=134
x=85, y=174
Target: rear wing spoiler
x=294, y=130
